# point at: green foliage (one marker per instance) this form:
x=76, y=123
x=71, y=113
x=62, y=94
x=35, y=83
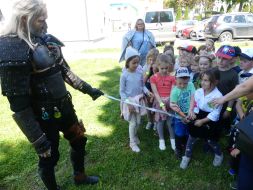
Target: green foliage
x=179, y=13
x=246, y=8
x=222, y=9
x=229, y=9
x=186, y=13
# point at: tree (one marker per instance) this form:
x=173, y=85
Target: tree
x=229, y=9
x=179, y=13
x=235, y=2
x=186, y=13
x=222, y=9
x=246, y=8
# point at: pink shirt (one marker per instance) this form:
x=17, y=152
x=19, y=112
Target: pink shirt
x=163, y=84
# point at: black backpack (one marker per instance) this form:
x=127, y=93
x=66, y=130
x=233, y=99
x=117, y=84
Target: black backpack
x=245, y=137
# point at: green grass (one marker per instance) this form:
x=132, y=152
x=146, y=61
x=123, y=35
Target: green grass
x=108, y=153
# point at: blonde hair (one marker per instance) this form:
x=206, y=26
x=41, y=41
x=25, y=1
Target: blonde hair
x=30, y=9
x=152, y=53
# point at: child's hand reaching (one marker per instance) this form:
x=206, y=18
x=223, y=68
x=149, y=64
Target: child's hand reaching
x=191, y=115
x=198, y=123
x=131, y=108
x=235, y=152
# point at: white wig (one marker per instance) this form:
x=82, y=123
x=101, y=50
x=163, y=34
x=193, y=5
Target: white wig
x=31, y=9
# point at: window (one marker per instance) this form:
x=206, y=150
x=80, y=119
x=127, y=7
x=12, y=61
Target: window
x=151, y=17
x=250, y=18
x=227, y=19
x=166, y=16
x=239, y=19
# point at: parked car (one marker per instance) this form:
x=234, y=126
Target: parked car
x=197, y=32
x=162, y=24
x=183, y=24
x=229, y=26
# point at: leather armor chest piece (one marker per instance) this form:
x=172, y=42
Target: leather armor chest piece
x=15, y=67
x=42, y=58
x=47, y=81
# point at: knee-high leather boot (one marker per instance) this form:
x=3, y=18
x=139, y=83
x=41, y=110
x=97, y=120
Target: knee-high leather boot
x=48, y=178
x=77, y=159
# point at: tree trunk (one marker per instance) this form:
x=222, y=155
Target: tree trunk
x=240, y=6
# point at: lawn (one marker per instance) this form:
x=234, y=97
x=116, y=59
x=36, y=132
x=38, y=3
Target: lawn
x=108, y=154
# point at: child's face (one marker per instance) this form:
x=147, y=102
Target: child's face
x=205, y=82
x=151, y=60
x=209, y=46
x=133, y=64
x=163, y=68
x=204, y=64
x=183, y=62
x=224, y=63
x=182, y=82
x=195, y=67
x=245, y=64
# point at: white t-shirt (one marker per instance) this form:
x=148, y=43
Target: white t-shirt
x=243, y=79
x=202, y=102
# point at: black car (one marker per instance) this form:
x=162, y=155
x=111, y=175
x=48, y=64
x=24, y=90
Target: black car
x=226, y=27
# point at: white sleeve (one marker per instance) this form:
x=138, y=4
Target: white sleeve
x=215, y=114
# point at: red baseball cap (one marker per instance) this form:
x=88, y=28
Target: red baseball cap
x=188, y=48
x=226, y=51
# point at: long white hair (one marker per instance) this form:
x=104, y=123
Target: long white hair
x=30, y=9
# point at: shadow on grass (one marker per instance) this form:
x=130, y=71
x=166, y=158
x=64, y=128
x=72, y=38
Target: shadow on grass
x=17, y=160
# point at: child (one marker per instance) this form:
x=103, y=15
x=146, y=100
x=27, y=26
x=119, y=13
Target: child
x=161, y=84
x=182, y=101
x=131, y=89
x=228, y=80
x=148, y=71
x=205, y=63
x=210, y=47
x=207, y=116
x=202, y=50
x=194, y=69
x=186, y=51
x=236, y=63
x=246, y=64
x=169, y=50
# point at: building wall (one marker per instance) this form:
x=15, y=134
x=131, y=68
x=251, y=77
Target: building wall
x=77, y=20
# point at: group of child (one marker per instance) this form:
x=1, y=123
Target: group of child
x=184, y=87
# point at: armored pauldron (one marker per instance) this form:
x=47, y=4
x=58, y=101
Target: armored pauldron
x=15, y=67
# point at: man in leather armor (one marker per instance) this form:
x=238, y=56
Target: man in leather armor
x=33, y=73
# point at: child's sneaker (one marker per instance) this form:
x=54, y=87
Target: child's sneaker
x=173, y=144
x=233, y=185
x=231, y=172
x=149, y=125
x=217, y=160
x=162, y=144
x=184, y=163
x=134, y=147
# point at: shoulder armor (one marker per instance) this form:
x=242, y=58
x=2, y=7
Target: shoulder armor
x=13, y=49
x=48, y=38
x=15, y=67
